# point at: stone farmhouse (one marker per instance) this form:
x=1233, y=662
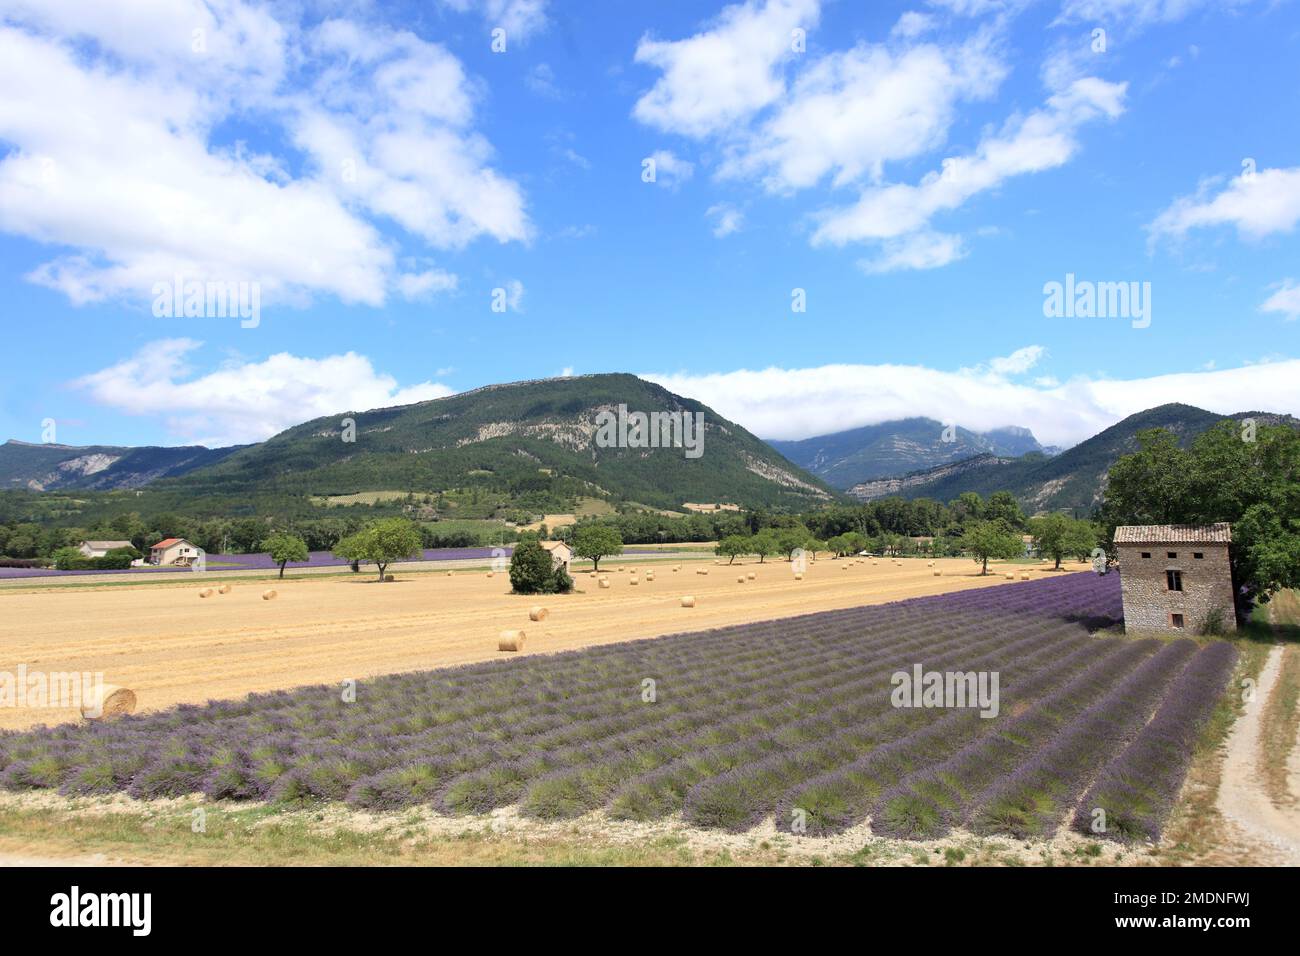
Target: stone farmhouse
x=1176, y=577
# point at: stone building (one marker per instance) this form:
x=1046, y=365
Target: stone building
x=1175, y=577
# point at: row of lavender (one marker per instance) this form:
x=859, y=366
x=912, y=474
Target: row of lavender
x=726, y=727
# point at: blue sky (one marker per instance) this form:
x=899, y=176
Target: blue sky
x=921, y=170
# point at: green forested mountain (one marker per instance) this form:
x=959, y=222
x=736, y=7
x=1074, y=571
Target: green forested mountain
x=522, y=438
x=1072, y=479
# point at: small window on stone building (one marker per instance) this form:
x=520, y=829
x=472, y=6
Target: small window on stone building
x=1174, y=579
x=1175, y=620
x=1171, y=554
x=1146, y=554
x=1198, y=555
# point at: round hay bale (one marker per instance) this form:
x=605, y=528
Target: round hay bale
x=740, y=579
x=688, y=600
x=1010, y=576
x=448, y=574
x=752, y=576
x=937, y=572
x=538, y=613
x=798, y=576
x=844, y=567
x=224, y=589
x=108, y=700
x=268, y=595
x=1024, y=576
x=604, y=582
x=634, y=580
x=389, y=577
x=929, y=564
x=205, y=593
x=489, y=574
x=510, y=641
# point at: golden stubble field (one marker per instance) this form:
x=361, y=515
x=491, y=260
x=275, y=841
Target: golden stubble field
x=171, y=646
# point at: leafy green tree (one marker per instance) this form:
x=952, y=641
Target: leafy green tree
x=383, y=542
x=595, y=541
x=790, y=540
x=733, y=546
x=1058, y=535
x=533, y=570
x=763, y=544
x=284, y=548
x=67, y=559
x=1247, y=477
x=990, y=539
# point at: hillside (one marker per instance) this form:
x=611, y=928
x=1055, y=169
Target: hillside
x=97, y=467
x=892, y=448
x=524, y=438
x=1072, y=479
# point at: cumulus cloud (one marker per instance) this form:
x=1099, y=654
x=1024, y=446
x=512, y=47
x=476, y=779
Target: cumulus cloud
x=1285, y=299
x=1044, y=139
x=726, y=73
x=114, y=116
x=243, y=401
x=1257, y=204
x=920, y=250
x=521, y=19
x=726, y=219
x=800, y=403
x=671, y=170
x=1134, y=13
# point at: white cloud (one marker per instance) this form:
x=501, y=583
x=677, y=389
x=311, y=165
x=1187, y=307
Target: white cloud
x=244, y=401
x=670, y=169
x=541, y=80
x=116, y=164
x=515, y=295
x=1019, y=361
x=912, y=24
x=521, y=19
x=1258, y=205
x=421, y=285
x=801, y=403
x=726, y=219
x=1041, y=140
x=919, y=250
x=1134, y=13
x=1286, y=300
x=724, y=74
x=850, y=112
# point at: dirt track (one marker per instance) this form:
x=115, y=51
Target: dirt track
x=171, y=646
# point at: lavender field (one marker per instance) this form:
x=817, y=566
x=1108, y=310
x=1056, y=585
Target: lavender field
x=726, y=727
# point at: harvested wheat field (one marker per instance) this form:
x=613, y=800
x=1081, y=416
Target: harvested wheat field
x=170, y=646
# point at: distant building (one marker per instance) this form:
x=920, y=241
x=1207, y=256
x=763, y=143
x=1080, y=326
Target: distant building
x=173, y=551
x=561, y=553
x=1175, y=577
x=1027, y=541
x=98, y=549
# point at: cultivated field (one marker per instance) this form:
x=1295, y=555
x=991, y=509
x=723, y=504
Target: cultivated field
x=171, y=646
x=792, y=721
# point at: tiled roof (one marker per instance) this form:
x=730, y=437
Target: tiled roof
x=107, y=545
x=1219, y=533
x=167, y=543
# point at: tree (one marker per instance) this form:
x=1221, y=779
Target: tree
x=67, y=559
x=284, y=548
x=1058, y=535
x=533, y=571
x=732, y=546
x=990, y=539
x=595, y=541
x=763, y=544
x=1247, y=476
x=790, y=540
x=383, y=542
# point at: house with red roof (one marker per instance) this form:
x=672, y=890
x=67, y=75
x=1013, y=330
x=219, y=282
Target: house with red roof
x=176, y=551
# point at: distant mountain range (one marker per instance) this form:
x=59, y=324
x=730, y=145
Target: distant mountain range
x=98, y=467
x=523, y=437
x=893, y=448
x=1072, y=479
x=540, y=437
